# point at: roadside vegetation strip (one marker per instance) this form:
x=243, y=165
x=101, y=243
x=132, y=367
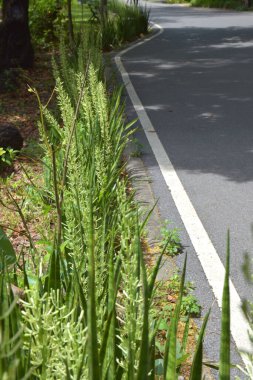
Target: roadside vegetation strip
x=210, y=261
x=88, y=311
x=88, y=308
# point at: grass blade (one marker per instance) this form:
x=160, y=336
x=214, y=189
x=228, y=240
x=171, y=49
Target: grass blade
x=54, y=278
x=224, y=372
x=7, y=252
x=94, y=369
x=144, y=351
x=196, y=369
x=105, y=339
x=110, y=330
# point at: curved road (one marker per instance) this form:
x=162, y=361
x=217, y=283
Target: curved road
x=195, y=81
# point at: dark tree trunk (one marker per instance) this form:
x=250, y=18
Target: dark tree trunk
x=103, y=11
x=15, y=40
x=70, y=25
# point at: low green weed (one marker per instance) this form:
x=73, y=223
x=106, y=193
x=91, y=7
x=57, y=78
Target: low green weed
x=137, y=148
x=189, y=304
x=7, y=156
x=171, y=239
x=174, y=284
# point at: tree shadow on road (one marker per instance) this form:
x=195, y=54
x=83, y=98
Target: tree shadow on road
x=197, y=87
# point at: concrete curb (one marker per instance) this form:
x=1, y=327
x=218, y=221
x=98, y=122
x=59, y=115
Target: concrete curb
x=144, y=195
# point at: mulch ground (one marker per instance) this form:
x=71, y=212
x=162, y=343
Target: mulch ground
x=19, y=107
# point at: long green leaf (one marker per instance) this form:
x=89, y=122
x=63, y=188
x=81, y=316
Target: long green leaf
x=93, y=359
x=144, y=351
x=152, y=358
x=224, y=372
x=7, y=253
x=147, y=217
x=105, y=339
x=196, y=369
x=54, y=277
x=110, y=333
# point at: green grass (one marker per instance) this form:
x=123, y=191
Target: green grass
x=124, y=23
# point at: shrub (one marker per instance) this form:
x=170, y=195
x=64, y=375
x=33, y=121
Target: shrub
x=124, y=24
x=43, y=17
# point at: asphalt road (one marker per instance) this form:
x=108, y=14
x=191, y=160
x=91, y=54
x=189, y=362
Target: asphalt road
x=195, y=81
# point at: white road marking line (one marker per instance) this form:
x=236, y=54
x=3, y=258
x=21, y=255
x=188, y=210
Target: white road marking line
x=207, y=254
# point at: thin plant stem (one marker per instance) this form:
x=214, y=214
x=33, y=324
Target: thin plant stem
x=22, y=217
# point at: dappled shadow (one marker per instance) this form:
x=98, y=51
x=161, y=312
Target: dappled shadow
x=196, y=84
x=197, y=17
